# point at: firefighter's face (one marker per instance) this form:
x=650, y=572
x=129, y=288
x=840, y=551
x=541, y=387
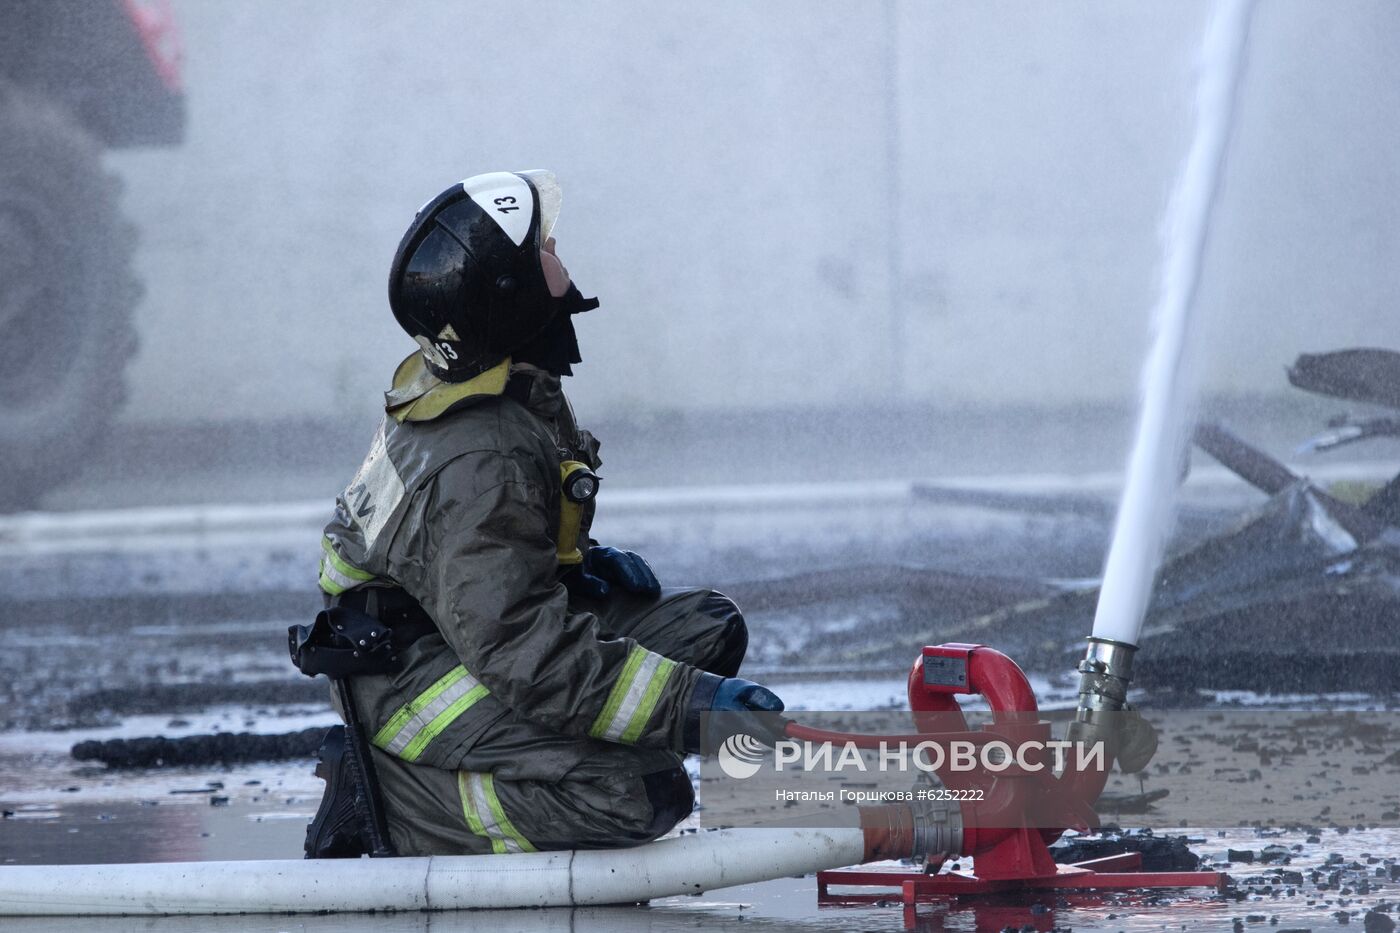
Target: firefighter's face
x=555, y=275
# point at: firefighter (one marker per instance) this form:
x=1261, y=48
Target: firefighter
x=545, y=687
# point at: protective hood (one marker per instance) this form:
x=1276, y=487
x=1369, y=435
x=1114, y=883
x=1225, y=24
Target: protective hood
x=419, y=395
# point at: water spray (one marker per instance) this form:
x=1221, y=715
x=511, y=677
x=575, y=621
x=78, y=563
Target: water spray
x=1147, y=508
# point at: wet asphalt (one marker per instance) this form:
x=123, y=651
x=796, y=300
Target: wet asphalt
x=146, y=650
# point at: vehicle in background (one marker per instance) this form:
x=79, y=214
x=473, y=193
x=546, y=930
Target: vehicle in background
x=77, y=77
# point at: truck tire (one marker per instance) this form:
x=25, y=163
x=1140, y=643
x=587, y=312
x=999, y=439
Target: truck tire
x=66, y=297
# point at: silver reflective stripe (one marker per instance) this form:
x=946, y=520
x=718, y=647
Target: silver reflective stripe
x=486, y=816
x=337, y=573
x=633, y=697
x=333, y=581
x=415, y=725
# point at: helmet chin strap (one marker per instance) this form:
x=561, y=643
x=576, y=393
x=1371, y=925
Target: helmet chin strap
x=555, y=349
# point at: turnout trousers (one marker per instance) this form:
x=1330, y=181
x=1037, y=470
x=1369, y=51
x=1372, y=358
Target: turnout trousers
x=523, y=787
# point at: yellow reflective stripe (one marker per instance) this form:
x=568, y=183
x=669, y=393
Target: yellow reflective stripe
x=601, y=725
x=336, y=573
x=400, y=719
x=469, y=805
x=341, y=566
x=417, y=723
x=441, y=721
x=485, y=816
x=331, y=582
x=334, y=583
x=499, y=812
x=634, y=697
x=635, y=693
x=652, y=694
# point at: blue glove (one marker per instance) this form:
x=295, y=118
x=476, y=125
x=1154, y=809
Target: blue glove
x=579, y=582
x=610, y=565
x=714, y=694
x=736, y=695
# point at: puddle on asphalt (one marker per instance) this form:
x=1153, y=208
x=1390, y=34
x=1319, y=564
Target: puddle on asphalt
x=1357, y=878
x=171, y=830
x=62, y=814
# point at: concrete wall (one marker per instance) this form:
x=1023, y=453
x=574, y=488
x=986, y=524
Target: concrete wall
x=779, y=203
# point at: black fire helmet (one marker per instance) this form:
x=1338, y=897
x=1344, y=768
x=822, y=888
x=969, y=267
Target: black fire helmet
x=467, y=283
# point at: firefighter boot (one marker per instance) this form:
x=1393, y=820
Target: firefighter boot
x=342, y=827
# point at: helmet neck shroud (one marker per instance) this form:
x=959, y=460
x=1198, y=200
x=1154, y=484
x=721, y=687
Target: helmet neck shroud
x=556, y=347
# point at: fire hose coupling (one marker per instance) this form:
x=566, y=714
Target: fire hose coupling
x=924, y=829
x=1104, y=712
x=938, y=829
x=1104, y=675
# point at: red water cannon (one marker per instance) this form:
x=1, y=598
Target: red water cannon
x=1014, y=810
